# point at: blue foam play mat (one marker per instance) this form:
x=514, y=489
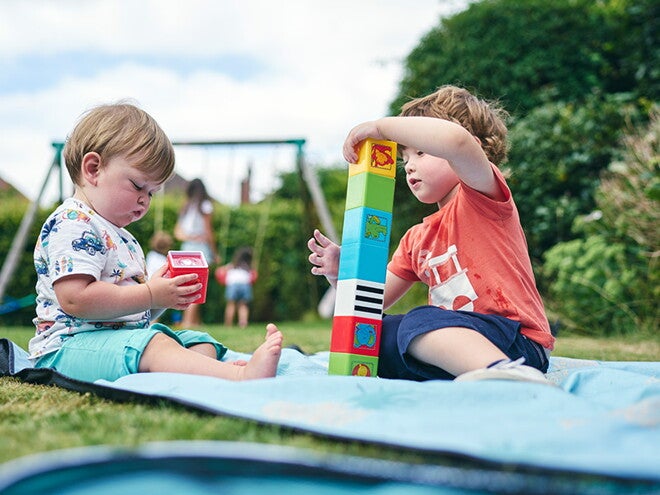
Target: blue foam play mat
x=600, y=421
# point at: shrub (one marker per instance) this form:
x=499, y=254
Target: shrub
x=609, y=282
x=600, y=288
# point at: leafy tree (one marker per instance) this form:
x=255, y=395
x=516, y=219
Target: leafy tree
x=519, y=51
x=631, y=49
x=557, y=155
x=563, y=69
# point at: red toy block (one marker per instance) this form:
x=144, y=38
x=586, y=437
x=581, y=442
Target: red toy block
x=355, y=335
x=184, y=262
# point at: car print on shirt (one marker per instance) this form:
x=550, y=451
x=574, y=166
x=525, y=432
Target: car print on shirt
x=89, y=242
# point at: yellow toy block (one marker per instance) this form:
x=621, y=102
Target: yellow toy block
x=376, y=157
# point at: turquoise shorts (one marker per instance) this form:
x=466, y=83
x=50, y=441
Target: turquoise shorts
x=111, y=354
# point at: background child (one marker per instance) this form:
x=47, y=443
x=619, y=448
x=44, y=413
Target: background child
x=485, y=316
x=194, y=228
x=94, y=302
x=238, y=278
x=160, y=243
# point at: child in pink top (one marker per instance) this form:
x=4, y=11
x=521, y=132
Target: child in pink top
x=485, y=317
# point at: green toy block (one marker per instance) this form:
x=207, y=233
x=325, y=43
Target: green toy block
x=341, y=363
x=370, y=190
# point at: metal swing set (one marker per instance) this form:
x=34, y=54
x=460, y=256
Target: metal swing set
x=312, y=197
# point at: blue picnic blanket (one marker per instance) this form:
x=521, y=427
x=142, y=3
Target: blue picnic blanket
x=602, y=418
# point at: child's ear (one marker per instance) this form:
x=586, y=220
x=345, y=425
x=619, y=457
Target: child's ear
x=90, y=167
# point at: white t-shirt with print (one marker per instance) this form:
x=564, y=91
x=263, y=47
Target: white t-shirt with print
x=76, y=240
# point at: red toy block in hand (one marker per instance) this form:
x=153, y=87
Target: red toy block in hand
x=184, y=262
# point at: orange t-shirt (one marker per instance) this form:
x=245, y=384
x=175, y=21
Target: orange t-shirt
x=472, y=254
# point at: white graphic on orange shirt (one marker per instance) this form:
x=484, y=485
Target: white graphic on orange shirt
x=449, y=285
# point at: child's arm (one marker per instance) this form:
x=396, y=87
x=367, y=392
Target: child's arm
x=436, y=137
x=395, y=288
x=85, y=297
x=325, y=258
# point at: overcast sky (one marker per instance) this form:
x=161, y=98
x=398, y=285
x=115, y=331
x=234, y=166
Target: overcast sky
x=206, y=70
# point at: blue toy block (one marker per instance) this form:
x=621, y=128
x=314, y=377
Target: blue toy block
x=367, y=225
x=364, y=261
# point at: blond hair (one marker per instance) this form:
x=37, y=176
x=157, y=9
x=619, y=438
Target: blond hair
x=120, y=129
x=485, y=120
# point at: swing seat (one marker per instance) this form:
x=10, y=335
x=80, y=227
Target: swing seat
x=12, y=304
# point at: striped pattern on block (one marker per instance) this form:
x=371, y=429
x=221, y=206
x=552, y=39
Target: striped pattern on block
x=357, y=322
x=357, y=297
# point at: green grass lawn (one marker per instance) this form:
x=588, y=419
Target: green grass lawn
x=36, y=418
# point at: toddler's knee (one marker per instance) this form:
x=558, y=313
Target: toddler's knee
x=155, y=353
x=160, y=341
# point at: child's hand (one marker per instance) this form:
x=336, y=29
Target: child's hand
x=173, y=292
x=324, y=257
x=358, y=134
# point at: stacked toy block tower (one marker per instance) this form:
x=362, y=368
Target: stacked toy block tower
x=357, y=322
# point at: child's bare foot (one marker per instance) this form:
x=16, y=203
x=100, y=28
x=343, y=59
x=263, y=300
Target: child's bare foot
x=263, y=363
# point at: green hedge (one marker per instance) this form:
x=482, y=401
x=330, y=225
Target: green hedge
x=285, y=289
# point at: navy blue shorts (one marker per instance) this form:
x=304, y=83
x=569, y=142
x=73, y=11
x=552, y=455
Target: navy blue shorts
x=399, y=330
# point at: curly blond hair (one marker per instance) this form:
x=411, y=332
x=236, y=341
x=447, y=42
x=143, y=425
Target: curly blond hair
x=483, y=119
